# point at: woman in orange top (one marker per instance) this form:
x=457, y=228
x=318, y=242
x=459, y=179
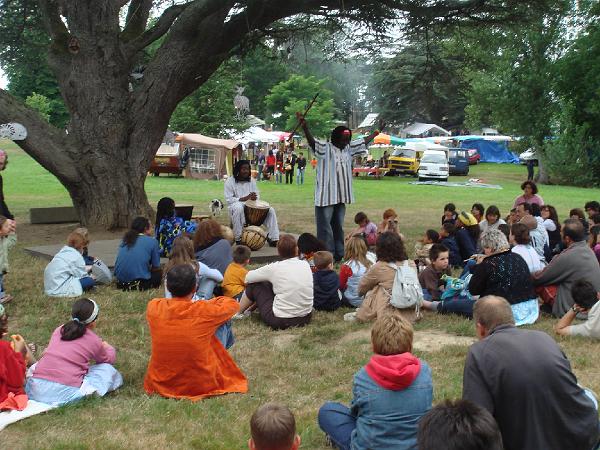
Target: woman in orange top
x=187, y=360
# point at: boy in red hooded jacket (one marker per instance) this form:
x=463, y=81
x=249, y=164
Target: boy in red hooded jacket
x=390, y=394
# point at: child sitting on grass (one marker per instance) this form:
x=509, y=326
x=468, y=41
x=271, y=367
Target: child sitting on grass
x=423, y=246
x=63, y=374
x=356, y=263
x=450, y=215
x=8, y=239
x=15, y=356
x=326, y=283
x=365, y=228
x=273, y=427
x=67, y=275
x=182, y=252
x=447, y=239
x=389, y=222
x=234, y=280
x=308, y=244
x=431, y=277
x=390, y=394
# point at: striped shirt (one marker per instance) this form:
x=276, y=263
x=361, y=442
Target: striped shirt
x=334, y=172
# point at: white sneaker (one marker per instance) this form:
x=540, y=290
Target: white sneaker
x=350, y=317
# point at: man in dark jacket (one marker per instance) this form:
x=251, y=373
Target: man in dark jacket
x=3, y=208
x=326, y=283
x=525, y=381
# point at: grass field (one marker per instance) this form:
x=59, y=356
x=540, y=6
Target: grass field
x=302, y=367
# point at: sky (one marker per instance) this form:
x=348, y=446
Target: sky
x=3, y=80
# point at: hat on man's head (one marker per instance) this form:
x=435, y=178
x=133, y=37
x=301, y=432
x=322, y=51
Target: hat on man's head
x=529, y=221
x=467, y=219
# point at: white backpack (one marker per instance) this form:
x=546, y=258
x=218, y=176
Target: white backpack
x=406, y=291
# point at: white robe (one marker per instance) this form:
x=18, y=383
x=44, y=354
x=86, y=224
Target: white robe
x=233, y=192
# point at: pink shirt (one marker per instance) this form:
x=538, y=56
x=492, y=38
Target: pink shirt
x=67, y=362
x=533, y=199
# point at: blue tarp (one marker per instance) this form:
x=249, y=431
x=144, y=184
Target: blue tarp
x=490, y=151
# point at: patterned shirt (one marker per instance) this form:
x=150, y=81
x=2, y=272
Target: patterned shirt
x=334, y=172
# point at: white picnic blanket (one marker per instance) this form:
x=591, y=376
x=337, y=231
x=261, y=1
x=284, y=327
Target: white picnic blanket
x=33, y=408
x=468, y=184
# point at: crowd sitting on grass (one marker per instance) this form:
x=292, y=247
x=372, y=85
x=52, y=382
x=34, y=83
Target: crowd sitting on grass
x=502, y=274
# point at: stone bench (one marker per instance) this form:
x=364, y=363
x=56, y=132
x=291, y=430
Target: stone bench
x=58, y=214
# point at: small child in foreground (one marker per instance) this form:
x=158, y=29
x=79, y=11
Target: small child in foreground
x=234, y=279
x=365, y=227
x=326, y=283
x=423, y=246
x=356, y=263
x=431, y=277
x=273, y=427
x=8, y=239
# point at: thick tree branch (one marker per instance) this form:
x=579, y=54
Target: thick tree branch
x=157, y=31
x=45, y=143
x=137, y=18
x=52, y=21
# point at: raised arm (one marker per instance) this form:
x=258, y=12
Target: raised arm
x=372, y=136
x=309, y=137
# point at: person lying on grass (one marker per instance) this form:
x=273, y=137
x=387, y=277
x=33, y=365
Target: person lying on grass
x=187, y=359
x=64, y=374
x=389, y=395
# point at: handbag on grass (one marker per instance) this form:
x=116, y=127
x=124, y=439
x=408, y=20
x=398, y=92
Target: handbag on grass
x=406, y=291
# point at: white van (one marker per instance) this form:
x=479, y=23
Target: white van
x=434, y=165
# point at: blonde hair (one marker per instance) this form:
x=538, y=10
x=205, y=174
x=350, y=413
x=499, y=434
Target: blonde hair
x=388, y=213
x=356, y=249
x=273, y=426
x=391, y=334
x=182, y=252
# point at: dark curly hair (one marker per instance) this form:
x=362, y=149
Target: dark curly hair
x=390, y=248
x=534, y=189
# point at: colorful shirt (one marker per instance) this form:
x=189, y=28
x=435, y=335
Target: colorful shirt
x=170, y=228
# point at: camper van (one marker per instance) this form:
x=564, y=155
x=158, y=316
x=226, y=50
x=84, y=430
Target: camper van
x=434, y=165
x=405, y=160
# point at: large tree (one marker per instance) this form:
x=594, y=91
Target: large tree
x=117, y=122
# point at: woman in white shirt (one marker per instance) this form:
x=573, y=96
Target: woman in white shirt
x=283, y=290
x=492, y=219
x=519, y=237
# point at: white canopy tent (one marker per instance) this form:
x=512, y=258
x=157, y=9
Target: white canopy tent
x=255, y=134
x=420, y=129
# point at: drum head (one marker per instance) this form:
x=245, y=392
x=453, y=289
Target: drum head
x=258, y=204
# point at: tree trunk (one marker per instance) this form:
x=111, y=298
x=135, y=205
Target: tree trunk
x=542, y=176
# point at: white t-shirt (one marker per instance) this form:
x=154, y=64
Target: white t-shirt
x=292, y=282
x=589, y=328
x=531, y=257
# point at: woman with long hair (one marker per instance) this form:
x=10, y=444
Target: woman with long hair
x=356, y=263
x=553, y=227
x=211, y=247
x=168, y=225
x=138, y=260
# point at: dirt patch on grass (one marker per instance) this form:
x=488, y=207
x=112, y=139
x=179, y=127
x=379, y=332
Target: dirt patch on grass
x=425, y=341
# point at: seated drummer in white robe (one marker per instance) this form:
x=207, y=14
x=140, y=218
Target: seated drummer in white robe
x=239, y=189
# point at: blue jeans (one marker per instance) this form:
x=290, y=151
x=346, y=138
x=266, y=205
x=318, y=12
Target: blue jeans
x=259, y=174
x=87, y=283
x=205, y=288
x=338, y=423
x=300, y=176
x=330, y=231
x=458, y=306
x=278, y=177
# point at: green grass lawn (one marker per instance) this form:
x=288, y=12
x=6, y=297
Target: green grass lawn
x=302, y=367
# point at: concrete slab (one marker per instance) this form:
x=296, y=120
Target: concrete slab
x=107, y=252
x=59, y=214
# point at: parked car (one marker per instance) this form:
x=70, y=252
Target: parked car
x=528, y=155
x=458, y=161
x=404, y=160
x=434, y=165
x=474, y=156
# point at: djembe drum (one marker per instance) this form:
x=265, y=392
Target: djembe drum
x=253, y=237
x=255, y=212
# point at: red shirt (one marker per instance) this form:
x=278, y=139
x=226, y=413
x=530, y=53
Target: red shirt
x=271, y=160
x=12, y=371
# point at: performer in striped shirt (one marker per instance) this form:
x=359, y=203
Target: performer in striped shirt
x=334, y=181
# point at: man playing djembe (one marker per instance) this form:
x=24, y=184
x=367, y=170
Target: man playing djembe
x=239, y=189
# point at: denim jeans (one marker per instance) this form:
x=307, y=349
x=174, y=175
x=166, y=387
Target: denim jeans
x=338, y=423
x=278, y=177
x=259, y=171
x=300, y=176
x=330, y=231
x=87, y=283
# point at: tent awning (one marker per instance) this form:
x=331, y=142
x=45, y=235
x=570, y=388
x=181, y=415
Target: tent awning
x=419, y=128
x=199, y=140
